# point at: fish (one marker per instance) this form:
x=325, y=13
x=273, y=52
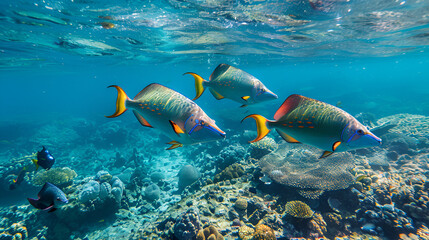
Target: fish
x=266, y=180
x=44, y=159
x=50, y=198
x=304, y=120
x=178, y=117
x=106, y=25
x=19, y=178
x=229, y=82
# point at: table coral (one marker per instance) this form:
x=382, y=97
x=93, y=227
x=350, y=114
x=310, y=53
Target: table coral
x=302, y=169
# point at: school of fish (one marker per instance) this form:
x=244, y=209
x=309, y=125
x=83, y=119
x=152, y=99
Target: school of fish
x=298, y=120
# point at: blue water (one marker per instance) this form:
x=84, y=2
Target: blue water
x=56, y=61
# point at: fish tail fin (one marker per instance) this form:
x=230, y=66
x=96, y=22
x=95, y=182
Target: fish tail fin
x=261, y=125
x=199, y=84
x=35, y=163
x=120, y=102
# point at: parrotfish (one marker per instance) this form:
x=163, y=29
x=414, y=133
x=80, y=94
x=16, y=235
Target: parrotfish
x=235, y=84
x=49, y=199
x=175, y=115
x=304, y=120
x=44, y=159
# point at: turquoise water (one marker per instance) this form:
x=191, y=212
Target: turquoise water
x=370, y=58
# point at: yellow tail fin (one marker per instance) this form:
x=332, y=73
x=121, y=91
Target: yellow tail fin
x=198, y=84
x=120, y=102
x=261, y=125
x=35, y=163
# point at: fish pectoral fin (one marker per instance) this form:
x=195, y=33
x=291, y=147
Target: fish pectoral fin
x=216, y=94
x=174, y=145
x=335, y=145
x=245, y=98
x=326, y=154
x=176, y=128
x=141, y=119
x=286, y=137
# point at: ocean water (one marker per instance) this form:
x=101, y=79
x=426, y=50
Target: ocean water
x=369, y=58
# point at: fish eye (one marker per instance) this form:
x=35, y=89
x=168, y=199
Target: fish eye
x=360, y=132
x=202, y=122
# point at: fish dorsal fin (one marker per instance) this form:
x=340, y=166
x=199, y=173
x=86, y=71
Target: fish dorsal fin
x=148, y=88
x=219, y=70
x=288, y=105
x=141, y=119
x=326, y=154
x=174, y=145
x=44, y=188
x=176, y=128
x=245, y=98
x=335, y=145
x=286, y=137
x=216, y=94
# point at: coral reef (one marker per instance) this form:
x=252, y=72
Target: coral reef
x=263, y=232
x=303, y=170
x=152, y=192
x=209, y=233
x=376, y=193
x=234, y=171
x=90, y=191
x=263, y=147
x=187, y=225
x=407, y=124
x=17, y=231
x=188, y=175
x=57, y=176
x=229, y=155
x=298, y=209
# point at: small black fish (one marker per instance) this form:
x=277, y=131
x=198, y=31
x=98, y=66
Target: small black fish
x=19, y=178
x=49, y=198
x=44, y=159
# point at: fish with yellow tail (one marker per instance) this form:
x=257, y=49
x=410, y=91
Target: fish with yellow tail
x=235, y=84
x=175, y=115
x=304, y=120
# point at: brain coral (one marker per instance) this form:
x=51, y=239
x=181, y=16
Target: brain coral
x=263, y=147
x=90, y=191
x=188, y=175
x=56, y=176
x=302, y=169
x=233, y=171
x=263, y=232
x=152, y=192
x=298, y=209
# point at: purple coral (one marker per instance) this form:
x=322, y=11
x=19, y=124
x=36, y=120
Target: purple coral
x=187, y=224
